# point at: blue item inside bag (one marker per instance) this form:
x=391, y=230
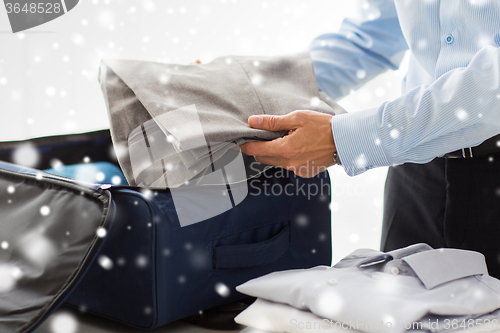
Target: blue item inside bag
x=98, y=172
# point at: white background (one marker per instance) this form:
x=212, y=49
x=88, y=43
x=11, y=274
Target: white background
x=48, y=75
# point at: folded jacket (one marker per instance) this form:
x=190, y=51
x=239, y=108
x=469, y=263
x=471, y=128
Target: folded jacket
x=200, y=110
x=386, y=292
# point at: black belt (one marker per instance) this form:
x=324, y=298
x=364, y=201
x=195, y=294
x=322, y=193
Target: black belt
x=488, y=147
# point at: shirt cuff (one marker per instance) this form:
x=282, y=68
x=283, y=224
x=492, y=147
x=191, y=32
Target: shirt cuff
x=357, y=141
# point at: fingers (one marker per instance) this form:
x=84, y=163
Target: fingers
x=277, y=123
x=264, y=148
x=244, y=149
x=307, y=149
x=269, y=160
x=302, y=168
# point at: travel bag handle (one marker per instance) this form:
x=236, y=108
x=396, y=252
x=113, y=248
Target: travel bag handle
x=249, y=255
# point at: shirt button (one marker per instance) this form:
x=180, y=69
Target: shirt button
x=332, y=282
x=449, y=39
x=394, y=270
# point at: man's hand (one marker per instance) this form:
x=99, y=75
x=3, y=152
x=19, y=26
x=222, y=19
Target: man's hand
x=307, y=149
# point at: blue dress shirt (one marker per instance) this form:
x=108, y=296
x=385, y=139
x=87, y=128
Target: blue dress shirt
x=451, y=93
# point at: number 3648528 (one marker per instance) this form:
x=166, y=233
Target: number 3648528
x=40, y=7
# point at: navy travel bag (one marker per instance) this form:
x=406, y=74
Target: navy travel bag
x=150, y=271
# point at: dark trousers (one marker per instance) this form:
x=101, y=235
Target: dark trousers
x=445, y=203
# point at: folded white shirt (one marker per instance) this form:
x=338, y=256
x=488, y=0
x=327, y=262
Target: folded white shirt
x=388, y=292
x=277, y=317
x=264, y=317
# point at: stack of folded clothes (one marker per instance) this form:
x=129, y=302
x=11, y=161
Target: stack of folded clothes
x=415, y=288
x=171, y=123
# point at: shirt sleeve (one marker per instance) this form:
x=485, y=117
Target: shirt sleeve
x=362, y=49
x=459, y=109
